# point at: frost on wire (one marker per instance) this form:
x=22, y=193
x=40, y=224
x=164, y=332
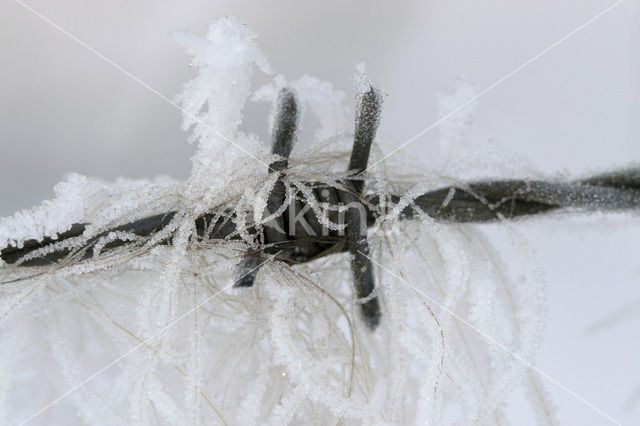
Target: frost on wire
x=290, y=348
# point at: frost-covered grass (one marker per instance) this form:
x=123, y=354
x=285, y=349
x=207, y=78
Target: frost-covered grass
x=290, y=349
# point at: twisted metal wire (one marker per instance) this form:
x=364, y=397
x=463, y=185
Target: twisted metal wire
x=487, y=201
x=476, y=202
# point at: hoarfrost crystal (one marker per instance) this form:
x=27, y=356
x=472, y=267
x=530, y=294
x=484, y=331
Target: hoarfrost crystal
x=173, y=343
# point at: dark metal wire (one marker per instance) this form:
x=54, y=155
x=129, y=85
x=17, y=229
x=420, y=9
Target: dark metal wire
x=476, y=202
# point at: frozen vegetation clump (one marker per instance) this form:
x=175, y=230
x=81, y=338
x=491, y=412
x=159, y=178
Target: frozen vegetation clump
x=181, y=345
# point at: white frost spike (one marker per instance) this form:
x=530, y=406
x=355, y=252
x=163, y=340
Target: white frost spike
x=361, y=80
x=214, y=100
x=224, y=60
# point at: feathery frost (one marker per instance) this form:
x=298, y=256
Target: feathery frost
x=181, y=346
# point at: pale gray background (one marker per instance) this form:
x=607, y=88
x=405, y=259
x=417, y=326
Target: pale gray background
x=576, y=109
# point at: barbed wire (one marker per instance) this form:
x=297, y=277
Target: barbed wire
x=343, y=226
x=476, y=202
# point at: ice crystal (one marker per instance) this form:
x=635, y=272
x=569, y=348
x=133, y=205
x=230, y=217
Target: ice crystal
x=172, y=343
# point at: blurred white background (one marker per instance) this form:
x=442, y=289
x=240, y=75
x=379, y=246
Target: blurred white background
x=573, y=110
